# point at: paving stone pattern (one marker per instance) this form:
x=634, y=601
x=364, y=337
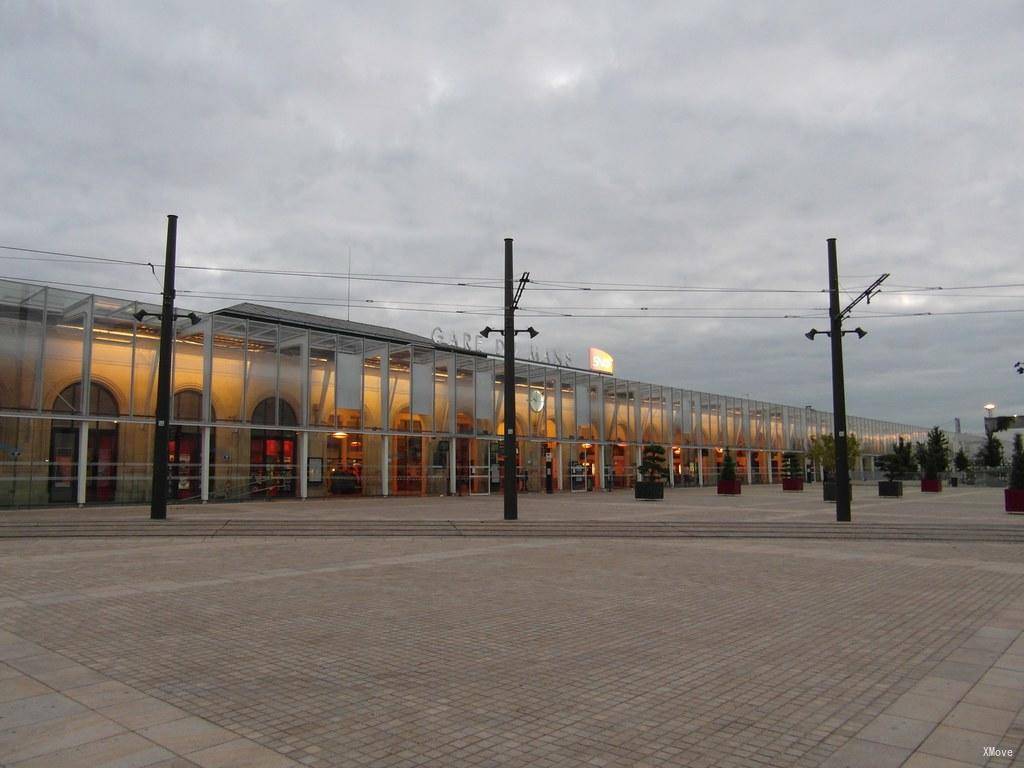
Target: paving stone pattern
x=535, y=652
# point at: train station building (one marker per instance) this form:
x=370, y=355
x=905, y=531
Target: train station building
x=272, y=403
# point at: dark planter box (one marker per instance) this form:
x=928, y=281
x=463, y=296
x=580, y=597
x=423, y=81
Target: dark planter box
x=1014, y=500
x=792, y=483
x=649, y=491
x=892, y=488
x=931, y=486
x=953, y=482
x=729, y=487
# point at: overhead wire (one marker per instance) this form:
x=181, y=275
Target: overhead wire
x=568, y=311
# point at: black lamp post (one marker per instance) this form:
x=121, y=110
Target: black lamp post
x=511, y=302
x=836, y=333
x=158, y=493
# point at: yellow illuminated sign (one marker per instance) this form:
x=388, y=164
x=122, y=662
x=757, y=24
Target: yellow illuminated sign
x=601, y=361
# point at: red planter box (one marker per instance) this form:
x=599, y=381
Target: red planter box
x=792, y=483
x=931, y=486
x=729, y=487
x=1014, y=500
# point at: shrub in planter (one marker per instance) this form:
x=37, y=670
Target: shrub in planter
x=823, y=452
x=651, y=487
x=792, y=474
x=1014, y=495
x=828, y=490
x=727, y=482
x=895, y=466
x=934, y=459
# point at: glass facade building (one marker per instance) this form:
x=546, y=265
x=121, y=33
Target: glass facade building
x=272, y=403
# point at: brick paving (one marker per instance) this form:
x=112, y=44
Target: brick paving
x=406, y=651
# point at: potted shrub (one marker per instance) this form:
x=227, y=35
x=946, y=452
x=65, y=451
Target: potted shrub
x=727, y=481
x=960, y=464
x=895, y=466
x=792, y=473
x=651, y=485
x=1015, y=493
x=934, y=459
x=823, y=453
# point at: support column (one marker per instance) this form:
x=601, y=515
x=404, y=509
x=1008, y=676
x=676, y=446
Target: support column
x=558, y=458
x=672, y=465
x=700, y=467
x=303, y=465
x=83, y=460
x=600, y=466
x=750, y=467
x=385, y=468
x=452, y=479
x=771, y=462
x=204, y=467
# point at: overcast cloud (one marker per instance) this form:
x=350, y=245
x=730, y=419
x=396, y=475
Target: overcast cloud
x=696, y=144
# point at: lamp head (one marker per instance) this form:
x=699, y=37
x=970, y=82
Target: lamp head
x=486, y=332
x=534, y=333
x=812, y=333
x=861, y=333
x=196, y=319
x=139, y=314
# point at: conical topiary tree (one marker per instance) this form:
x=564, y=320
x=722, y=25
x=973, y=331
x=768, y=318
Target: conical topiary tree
x=728, y=467
x=791, y=468
x=652, y=464
x=934, y=454
x=1017, y=464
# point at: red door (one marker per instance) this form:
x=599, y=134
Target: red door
x=104, y=460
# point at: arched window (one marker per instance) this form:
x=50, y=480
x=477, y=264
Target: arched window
x=263, y=413
x=101, y=461
x=101, y=401
x=272, y=451
x=188, y=405
x=184, y=446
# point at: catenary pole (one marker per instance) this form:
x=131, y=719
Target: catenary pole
x=838, y=388
x=511, y=470
x=158, y=503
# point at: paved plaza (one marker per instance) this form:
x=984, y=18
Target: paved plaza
x=476, y=648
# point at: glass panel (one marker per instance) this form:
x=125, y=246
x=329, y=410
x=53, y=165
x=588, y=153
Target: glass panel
x=548, y=426
x=349, y=392
x=21, y=340
x=188, y=359
x=464, y=396
x=373, y=356
x=422, y=399
x=293, y=362
x=228, y=367
x=522, y=405
x=442, y=404
x=64, y=344
x=484, y=397
x=499, y=398
x=400, y=390
x=371, y=467
x=592, y=429
x=570, y=391
x=322, y=377
x=261, y=379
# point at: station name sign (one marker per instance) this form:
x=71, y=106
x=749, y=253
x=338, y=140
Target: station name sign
x=601, y=361
x=477, y=343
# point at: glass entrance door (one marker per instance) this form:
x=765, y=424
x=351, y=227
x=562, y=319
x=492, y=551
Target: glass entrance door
x=273, y=465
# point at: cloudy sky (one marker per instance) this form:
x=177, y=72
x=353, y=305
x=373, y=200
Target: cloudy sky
x=678, y=144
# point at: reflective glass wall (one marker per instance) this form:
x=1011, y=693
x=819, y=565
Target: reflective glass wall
x=264, y=409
